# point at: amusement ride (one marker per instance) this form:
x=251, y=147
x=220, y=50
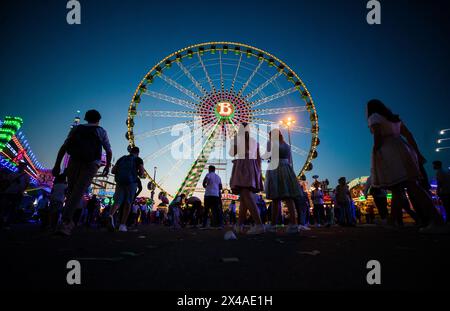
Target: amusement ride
x=215, y=87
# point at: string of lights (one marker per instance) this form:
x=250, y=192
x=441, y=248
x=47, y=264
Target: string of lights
x=441, y=140
x=15, y=148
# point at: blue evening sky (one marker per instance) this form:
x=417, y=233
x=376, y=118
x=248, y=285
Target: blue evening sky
x=50, y=69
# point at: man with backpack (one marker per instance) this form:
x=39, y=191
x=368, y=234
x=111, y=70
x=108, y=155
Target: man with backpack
x=84, y=145
x=127, y=171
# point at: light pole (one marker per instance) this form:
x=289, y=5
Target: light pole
x=288, y=123
x=440, y=140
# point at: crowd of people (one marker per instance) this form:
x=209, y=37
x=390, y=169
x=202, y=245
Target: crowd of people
x=12, y=190
x=397, y=166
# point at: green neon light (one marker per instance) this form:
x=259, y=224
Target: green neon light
x=188, y=181
x=8, y=129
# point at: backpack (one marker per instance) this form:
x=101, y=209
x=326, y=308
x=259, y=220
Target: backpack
x=126, y=170
x=84, y=144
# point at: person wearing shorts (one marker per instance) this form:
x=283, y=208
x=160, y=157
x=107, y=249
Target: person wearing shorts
x=127, y=171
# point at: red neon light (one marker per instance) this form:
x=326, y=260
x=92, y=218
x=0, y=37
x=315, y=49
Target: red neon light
x=21, y=148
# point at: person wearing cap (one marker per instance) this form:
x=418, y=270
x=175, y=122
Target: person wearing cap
x=127, y=172
x=84, y=145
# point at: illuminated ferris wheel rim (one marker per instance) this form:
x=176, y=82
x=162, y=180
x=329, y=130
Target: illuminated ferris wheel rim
x=225, y=47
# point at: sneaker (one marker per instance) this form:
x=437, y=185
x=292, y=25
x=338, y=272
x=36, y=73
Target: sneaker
x=123, y=228
x=258, y=229
x=65, y=228
x=304, y=228
x=110, y=223
x=293, y=229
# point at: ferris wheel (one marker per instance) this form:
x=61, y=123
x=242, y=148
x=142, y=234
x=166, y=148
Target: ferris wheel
x=215, y=87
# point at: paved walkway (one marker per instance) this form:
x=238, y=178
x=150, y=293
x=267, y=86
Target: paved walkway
x=159, y=258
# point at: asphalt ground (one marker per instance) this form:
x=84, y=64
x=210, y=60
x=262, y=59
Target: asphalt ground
x=160, y=258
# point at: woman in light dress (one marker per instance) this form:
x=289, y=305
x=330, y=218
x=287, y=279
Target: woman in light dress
x=246, y=178
x=396, y=164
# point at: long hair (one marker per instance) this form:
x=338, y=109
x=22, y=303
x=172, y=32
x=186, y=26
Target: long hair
x=243, y=130
x=377, y=106
x=274, y=133
x=277, y=132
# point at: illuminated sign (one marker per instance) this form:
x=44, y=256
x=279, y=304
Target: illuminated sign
x=224, y=109
x=229, y=196
x=20, y=156
x=8, y=129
